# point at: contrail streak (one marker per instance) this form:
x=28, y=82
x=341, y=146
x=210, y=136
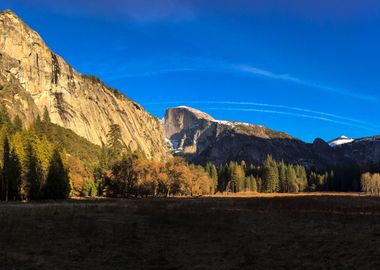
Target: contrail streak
x=289, y=78
x=311, y=114
x=293, y=114
x=268, y=105
x=182, y=64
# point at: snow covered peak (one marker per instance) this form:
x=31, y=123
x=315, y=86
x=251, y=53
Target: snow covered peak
x=341, y=140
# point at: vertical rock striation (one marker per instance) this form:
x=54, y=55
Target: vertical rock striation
x=35, y=78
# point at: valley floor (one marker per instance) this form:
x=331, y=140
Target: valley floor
x=312, y=231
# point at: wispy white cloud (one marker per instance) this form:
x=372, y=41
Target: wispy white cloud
x=180, y=64
x=289, y=110
x=292, y=79
x=158, y=66
x=298, y=109
x=326, y=119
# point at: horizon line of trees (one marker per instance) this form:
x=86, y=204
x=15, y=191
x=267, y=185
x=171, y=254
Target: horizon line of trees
x=35, y=166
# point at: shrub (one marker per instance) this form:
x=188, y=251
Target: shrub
x=89, y=189
x=371, y=183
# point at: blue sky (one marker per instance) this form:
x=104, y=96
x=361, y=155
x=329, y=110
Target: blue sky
x=309, y=69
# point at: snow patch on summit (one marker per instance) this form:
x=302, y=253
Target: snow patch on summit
x=341, y=140
x=234, y=124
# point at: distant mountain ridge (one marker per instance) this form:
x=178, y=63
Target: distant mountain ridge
x=33, y=77
x=200, y=138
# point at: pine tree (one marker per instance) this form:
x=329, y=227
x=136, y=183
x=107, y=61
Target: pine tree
x=242, y=179
x=291, y=179
x=270, y=176
x=57, y=183
x=14, y=174
x=38, y=125
x=237, y=178
x=251, y=170
x=259, y=183
x=6, y=168
x=313, y=181
x=208, y=168
x=301, y=178
x=34, y=174
x=11, y=173
x=17, y=124
x=46, y=121
x=230, y=169
x=104, y=158
x=115, y=145
x=243, y=166
x=222, y=178
x=282, y=177
x=231, y=183
x=324, y=181
x=253, y=184
x=247, y=184
x=214, y=177
x=46, y=116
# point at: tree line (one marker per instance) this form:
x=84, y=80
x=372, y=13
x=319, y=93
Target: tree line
x=34, y=165
x=277, y=176
x=270, y=177
x=31, y=166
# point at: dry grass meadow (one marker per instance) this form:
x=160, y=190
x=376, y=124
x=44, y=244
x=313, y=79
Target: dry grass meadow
x=306, y=231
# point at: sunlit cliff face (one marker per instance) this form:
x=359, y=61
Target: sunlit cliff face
x=81, y=103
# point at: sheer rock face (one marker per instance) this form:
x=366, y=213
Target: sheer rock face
x=188, y=129
x=201, y=138
x=82, y=104
x=178, y=119
x=13, y=96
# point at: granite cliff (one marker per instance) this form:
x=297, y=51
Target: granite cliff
x=33, y=77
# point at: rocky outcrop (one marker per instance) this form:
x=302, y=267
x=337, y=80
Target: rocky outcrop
x=35, y=77
x=200, y=138
x=188, y=129
x=13, y=96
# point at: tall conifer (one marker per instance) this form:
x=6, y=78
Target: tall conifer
x=57, y=183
